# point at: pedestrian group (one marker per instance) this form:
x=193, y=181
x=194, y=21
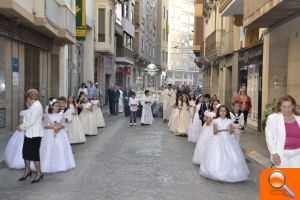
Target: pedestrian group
x=44, y=136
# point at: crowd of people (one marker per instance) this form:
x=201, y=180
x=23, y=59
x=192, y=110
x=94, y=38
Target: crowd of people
x=43, y=139
x=214, y=129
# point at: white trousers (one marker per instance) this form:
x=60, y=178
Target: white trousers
x=290, y=159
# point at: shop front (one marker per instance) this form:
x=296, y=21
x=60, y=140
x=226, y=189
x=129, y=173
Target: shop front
x=250, y=78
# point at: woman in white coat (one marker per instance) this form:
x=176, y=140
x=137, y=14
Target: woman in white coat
x=283, y=134
x=32, y=126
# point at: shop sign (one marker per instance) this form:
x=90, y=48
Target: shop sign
x=80, y=19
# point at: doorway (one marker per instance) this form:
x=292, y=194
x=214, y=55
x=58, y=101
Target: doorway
x=32, y=68
x=54, y=75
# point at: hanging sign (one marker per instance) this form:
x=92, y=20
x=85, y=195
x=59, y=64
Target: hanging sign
x=80, y=19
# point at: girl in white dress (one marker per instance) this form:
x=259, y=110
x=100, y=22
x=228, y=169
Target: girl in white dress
x=73, y=126
x=86, y=117
x=206, y=133
x=195, y=123
x=147, y=116
x=192, y=101
x=224, y=160
x=55, y=151
x=13, y=152
x=97, y=113
x=238, y=120
x=175, y=112
x=182, y=119
x=121, y=102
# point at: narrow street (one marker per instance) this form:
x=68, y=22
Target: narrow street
x=131, y=163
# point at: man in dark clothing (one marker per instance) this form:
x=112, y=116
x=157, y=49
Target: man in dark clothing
x=115, y=99
x=203, y=108
x=126, y=95
x=110, y=92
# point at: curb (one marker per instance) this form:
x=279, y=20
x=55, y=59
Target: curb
x=257, y=158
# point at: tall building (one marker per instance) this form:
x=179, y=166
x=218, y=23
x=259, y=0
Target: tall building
x=162, y=35
x=33, y=52
x=181, y=66
x=104, y=39
x=144, y=41
x=124, y=35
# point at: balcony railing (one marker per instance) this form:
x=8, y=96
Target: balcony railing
x=251, y=6
x=53, y=12
x=61, y=16
x=266, y=13
x=71, y=22
x=124, y=52
x=213, y=45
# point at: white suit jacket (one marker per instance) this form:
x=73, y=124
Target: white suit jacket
x=276, y=134
x=33, y=121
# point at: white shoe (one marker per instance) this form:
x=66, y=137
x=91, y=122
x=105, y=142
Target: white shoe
x=134, y=124
x=130, y=124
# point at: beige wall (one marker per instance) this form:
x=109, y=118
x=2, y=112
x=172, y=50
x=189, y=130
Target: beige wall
x=281, y=61
x=88, y=56
x=107, y=45
x=293, y=71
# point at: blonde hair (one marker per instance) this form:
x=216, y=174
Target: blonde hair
x=32, y=94
x=285, y=99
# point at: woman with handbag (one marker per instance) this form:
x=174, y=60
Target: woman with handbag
x=34, y=131
x=283, y=134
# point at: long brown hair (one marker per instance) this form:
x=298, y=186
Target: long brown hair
x=73, y=102
x=287, y=98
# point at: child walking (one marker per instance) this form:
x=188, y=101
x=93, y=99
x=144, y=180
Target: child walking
x=238, y=120
x=206, y=132
x=133, y=104
x=182, y=118
x=174, y=113
x=224, y=160
x=13, y=151
x=195, y=122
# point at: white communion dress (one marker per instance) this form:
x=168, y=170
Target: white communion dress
x=88, y=121
x=204, y=137
x=194, y=126
x=97, y=114
x=55, y=151
x=74, y=127
x=224, y=160
x=13, y=152
x=147, y=116
x=182, y=120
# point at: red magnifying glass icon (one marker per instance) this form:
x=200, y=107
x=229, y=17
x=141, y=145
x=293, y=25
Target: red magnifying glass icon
x=277, y=180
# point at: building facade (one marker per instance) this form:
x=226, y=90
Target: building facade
x=181, y=59
x=104, y=39
x=124, y=35
x=144, y=42
x=162, y=36
x=33, y=52
x=281, y=44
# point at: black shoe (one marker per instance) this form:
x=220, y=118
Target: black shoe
x=23, y=178
x=38, y=180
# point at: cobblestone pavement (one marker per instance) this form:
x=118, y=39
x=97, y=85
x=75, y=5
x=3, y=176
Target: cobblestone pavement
x=134, y=163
